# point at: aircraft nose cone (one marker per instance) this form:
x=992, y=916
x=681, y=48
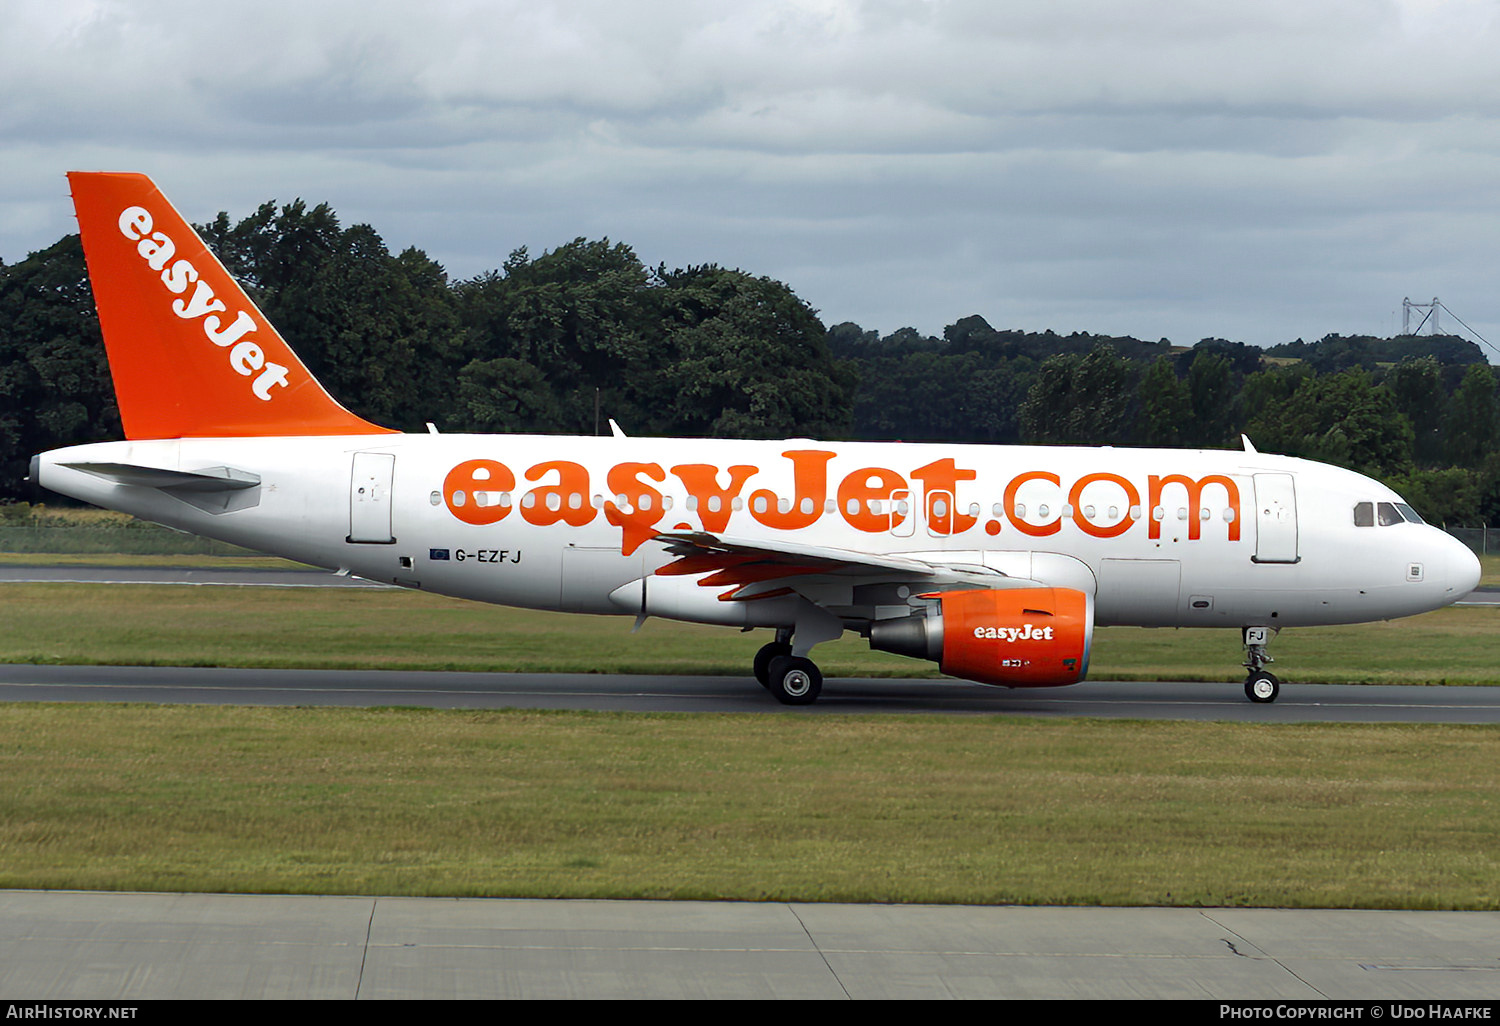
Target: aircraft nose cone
x=1463, y=568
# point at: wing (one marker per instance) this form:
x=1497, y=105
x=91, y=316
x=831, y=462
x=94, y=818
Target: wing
x=850, y=584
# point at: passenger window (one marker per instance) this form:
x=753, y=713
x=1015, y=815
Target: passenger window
x=1364, y=514
x=1388, y=514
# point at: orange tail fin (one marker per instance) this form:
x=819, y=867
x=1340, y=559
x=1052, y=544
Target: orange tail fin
x=190, y=354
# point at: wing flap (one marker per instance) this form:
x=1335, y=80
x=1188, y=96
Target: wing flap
x=750, y=569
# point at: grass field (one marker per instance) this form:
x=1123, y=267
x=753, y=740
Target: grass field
x=784, y=807
x=325, y=628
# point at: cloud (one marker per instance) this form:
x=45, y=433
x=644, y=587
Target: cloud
x=1183, y=169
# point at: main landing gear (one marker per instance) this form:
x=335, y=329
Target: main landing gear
x=1261, y=685
x=794, y=680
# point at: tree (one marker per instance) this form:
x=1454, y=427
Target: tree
x=1080, y=399
x=1166, y=405
x=1418, y=387
x=1449, y=496
x=1343, y=419
x=506, y=394
x=703, y=350
x=582, y=316
x=1211, y=392
x=1266, y=389
x=55, y=387
x=1473, y=420
x=381, y=333
x=746, y=358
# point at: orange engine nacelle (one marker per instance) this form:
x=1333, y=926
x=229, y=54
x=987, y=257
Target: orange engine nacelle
x=1018, y=637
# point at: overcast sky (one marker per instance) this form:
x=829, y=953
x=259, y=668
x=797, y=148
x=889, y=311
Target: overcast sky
x=1159, y=168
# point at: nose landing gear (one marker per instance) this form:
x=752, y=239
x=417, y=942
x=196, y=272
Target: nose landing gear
x=1261, y=685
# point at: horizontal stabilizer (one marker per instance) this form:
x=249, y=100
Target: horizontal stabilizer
x=212, y=489
x=213, y=479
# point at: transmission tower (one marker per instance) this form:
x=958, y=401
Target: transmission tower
x=1407, y=306
x=1432, y=308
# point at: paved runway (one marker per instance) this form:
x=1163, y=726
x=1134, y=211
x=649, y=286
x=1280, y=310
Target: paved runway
x=70, y=945
x=1299, y=703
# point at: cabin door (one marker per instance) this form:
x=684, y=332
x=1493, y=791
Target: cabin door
x=1275, y=519
x=370, y=497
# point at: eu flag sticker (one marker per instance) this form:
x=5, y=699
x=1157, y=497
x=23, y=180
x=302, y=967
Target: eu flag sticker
x=437, y=553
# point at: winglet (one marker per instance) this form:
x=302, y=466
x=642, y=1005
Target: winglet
x=190, y=354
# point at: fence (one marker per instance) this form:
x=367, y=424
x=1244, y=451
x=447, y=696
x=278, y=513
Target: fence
x=133, y=539
x=1482, y=540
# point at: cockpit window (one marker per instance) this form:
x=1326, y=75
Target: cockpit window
x=1367, y=514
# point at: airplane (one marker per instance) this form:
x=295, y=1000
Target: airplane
x=995, y=562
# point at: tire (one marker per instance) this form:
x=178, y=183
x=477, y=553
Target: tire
x=763, y=660
x=1262, y=686
x=794, y=680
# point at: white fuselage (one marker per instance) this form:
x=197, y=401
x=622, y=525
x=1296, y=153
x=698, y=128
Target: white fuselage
x=1206, y=538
